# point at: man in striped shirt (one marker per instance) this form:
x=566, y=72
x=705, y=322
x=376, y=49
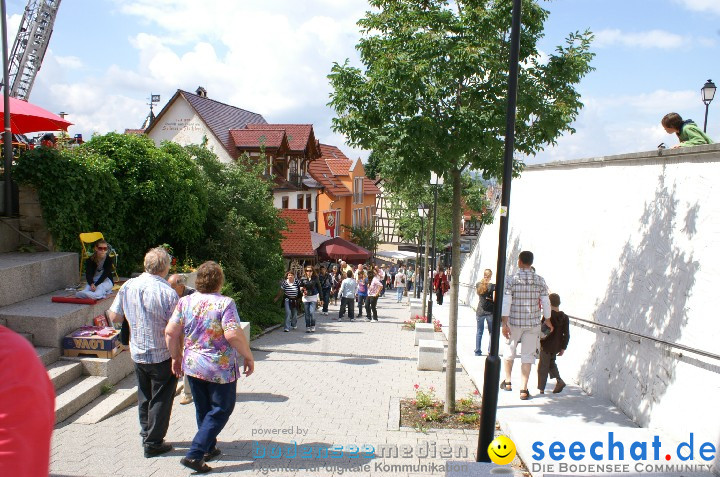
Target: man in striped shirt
x=148, y=302
x=524, y=293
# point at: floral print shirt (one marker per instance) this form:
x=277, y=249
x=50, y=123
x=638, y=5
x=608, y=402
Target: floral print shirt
x=205, y=317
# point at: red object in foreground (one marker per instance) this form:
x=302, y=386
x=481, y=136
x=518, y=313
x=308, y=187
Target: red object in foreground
x=26, y=117
x=339, y=248
x=27, y=409
x=72, y=299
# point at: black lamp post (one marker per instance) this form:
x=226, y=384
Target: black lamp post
x=488, y=412
x=7, y=135
x=423, y=211
x=437, y=181
x=708, y=93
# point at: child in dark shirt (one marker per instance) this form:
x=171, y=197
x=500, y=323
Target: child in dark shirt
x=554, y=344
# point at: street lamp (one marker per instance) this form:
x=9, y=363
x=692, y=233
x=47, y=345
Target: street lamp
x=437, y=181
x=423, y=211
x=708, y=93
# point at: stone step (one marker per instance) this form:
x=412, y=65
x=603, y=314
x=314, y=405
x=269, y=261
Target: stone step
x=62, y=373
x=122, y=396
x=115, y=369
x=27, y=336
x=27, y=275
x=73, y=397
x=47, y=321
x=47, y=355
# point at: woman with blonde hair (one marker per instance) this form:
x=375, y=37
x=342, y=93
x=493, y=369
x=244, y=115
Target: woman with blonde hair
x=485, y=308
x=99, y=269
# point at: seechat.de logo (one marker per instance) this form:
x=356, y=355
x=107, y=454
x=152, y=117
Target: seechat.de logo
x=502, y=450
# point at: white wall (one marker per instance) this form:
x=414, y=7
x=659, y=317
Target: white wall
x=292, y=202
x=182, y=125
x=630, y=241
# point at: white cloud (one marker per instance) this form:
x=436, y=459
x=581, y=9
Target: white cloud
x=69, y=62
x=712, y=6
x=646, y=39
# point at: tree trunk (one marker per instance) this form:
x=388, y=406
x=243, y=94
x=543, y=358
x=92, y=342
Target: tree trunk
x=454, y=294
x=425, y=268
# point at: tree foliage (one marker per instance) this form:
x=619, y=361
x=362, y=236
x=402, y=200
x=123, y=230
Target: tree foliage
x=432, y=95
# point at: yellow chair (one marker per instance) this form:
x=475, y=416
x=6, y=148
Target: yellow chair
x=87, y=240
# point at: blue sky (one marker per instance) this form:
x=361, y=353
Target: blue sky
x=272, y=57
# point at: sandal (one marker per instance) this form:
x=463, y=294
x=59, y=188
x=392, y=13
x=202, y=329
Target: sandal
x=524, y=394
x=506, y=386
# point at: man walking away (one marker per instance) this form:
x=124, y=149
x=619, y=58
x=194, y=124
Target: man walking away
x=521, y=320
x=148, y=302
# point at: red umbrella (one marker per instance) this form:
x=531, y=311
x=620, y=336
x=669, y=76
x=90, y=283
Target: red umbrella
x=26, y=117
x=339, y=248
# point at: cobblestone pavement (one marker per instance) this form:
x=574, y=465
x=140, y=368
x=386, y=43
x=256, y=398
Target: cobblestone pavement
x=337, y=387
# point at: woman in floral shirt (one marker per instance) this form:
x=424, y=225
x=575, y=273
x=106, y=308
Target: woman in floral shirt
x=209, y=324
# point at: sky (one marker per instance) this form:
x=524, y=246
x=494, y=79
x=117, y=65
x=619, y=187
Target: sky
x=272, y=57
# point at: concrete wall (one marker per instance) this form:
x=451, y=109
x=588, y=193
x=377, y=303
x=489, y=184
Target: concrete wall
x=629, y=241
x=31, y=221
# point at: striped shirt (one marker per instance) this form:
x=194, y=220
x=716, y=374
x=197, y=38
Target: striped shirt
x=524, y=293
x=291, y=290
x=147, y=302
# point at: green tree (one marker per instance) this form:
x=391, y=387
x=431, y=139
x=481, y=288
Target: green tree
x=243, y=232
x=366, y=237
x=432, y=96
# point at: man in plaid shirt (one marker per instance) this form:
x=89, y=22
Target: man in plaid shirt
x=148, y=302
x=525, y=293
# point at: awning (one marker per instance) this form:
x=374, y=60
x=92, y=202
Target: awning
x=340, y=249
x=396, y=255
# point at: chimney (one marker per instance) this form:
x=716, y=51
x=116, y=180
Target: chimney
x=202, y=92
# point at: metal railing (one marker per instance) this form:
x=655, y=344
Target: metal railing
x=646, y=337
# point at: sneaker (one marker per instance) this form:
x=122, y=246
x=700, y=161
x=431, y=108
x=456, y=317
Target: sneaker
x=308, y=330
x=325, y=313
x=185, y=398
x=294, y=327
x=286, y=330
x=154, y=451
x=352, y=319
x=198, y=465
x=312, y=329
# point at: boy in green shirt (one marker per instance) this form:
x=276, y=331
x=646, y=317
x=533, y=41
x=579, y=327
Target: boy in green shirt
x=687, y=131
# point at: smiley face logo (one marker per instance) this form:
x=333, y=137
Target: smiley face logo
x=501, y=450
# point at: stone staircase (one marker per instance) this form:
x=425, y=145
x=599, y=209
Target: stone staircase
x=28, y=281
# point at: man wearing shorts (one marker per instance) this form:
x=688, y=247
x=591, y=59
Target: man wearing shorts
x=524, y=293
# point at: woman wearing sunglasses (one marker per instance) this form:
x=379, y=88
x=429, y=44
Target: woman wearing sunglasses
x=310, y=286
x=98, y=273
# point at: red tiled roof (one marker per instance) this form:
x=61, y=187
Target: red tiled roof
x=320, y=171
x=369, y=187
x=135, y=131
x=248, y=138
x=299, y=135
x=296, y=239
x=338, y=162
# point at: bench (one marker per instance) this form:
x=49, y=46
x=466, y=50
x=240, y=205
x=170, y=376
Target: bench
x=424, y=331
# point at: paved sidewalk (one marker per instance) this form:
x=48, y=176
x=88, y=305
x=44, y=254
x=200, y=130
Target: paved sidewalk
x=338, y=386
x=570, y=416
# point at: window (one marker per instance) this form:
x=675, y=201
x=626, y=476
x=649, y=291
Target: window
x=285, y=203
x=300, y=199
x=312, y=227
x=358, y=190
x=308, y=202
x=292, y=171
x=357, y=219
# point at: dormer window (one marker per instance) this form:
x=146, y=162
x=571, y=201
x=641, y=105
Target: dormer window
x=292, y=171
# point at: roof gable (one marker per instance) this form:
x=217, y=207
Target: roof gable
x=219, y=117
x=301, y=137
x=255, y=139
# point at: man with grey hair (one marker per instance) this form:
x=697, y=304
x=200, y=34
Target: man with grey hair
x=178, y=282
x=147, y=302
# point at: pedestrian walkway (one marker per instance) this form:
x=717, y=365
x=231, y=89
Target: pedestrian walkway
x=570, y=416
x=337, y=387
